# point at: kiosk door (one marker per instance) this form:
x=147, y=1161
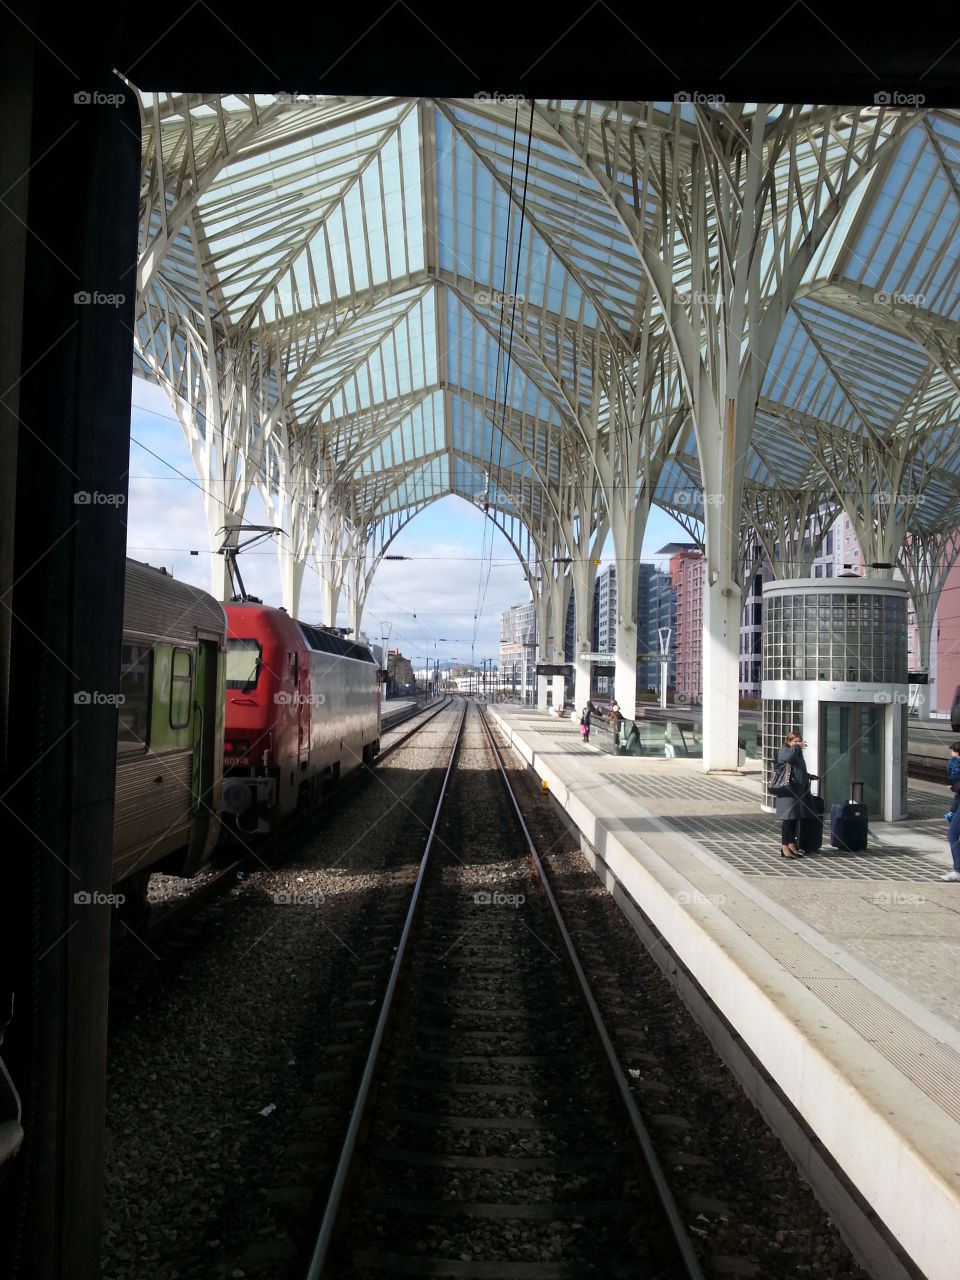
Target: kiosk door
x=851, y=750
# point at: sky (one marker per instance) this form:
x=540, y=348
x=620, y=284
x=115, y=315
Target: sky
x=427, y=603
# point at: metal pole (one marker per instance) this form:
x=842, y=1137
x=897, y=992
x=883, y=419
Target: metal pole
x=664, y=634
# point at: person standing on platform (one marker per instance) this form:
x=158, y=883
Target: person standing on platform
x=953, y=831
x=585, y=723
x=790, y=808
x=616, y=720
x=953, y=777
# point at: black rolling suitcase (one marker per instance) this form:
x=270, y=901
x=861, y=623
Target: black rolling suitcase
x=811, y=824
x=848, y=823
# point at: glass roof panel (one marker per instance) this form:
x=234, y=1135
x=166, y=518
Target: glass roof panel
x=318, y=218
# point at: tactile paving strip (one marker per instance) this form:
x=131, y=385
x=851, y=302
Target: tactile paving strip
x=574, y=746
x=750, y=842
x=662, y=786
x=932, y=1066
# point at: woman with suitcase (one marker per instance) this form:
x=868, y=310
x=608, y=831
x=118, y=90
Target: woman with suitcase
x=792, y=807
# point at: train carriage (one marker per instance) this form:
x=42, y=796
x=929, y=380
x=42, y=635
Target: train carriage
x=302, y=707
x=170, y=726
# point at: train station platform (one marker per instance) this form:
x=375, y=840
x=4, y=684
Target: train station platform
x=839, y=971
x=396, y=710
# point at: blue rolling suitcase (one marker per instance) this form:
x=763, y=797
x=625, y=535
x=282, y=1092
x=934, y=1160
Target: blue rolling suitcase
x=811, y=824
x=848, y=823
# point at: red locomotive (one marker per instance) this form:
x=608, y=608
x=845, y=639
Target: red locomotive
x=302, y=707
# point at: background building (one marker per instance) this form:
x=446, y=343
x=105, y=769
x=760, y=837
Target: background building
x=656, y=609
x=517, y=636
x=751, y=625
x=687, y=573
x=605, y=624
x=945, y=643
x=399, y=672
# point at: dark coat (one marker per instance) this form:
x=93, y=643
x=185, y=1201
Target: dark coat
x=789, y=807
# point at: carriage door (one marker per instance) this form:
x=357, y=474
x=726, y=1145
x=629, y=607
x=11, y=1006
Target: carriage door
x=300, y=678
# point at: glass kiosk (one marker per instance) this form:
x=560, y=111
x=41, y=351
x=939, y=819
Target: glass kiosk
x=835, y=669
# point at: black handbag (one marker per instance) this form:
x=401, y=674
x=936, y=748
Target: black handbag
x=780, y=783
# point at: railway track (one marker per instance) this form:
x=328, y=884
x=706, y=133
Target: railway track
x=493, y=1133
x=159, y=922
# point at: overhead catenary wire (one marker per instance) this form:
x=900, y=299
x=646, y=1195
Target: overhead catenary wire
x=484, y=583
x=496, y=384
x=179, y=474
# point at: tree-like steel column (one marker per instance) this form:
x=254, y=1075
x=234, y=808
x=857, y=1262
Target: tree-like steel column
x=290, y=492
x=926, y=558
x=751, y=206
x=216, y=391
x=880, y=480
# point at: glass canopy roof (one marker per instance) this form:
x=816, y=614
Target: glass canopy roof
x=452, y=296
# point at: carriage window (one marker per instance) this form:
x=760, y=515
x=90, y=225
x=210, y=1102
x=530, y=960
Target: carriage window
x=243, y=664
x=133, y=720
x=181, y=686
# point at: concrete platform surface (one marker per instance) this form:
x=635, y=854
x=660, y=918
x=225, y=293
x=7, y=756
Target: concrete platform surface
x=394, y=710
x=840, y=971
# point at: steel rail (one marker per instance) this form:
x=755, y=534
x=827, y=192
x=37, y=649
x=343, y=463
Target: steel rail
x=170, y=917
x=389, y=750
x=325, y=1238
x=671, y=1212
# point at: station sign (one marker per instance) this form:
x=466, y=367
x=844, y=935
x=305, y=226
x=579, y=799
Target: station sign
x=554, y=669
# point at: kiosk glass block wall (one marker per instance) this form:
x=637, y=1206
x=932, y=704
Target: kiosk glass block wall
x=780, y=716
x=840, y=636
x=904, y=716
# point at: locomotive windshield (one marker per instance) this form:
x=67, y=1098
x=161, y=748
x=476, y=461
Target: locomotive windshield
x=243, y=664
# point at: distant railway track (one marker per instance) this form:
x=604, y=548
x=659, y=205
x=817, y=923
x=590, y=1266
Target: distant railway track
x=491, y=1097
x=927, y=749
